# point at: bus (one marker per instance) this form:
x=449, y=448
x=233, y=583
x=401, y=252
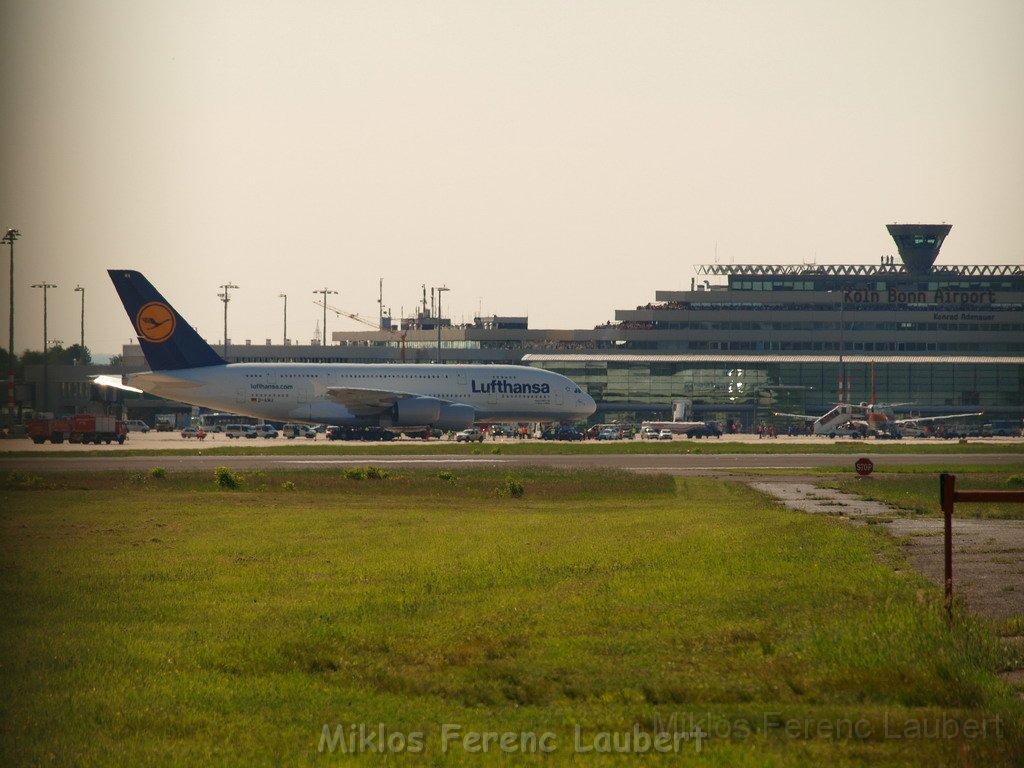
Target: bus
x=1004, y=428
x=215, y=422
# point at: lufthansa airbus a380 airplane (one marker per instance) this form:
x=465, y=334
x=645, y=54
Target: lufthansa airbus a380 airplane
x=399, y=397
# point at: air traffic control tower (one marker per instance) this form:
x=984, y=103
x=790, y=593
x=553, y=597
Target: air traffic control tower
x=919, y=244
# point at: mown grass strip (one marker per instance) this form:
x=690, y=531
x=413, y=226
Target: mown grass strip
x=512, y=448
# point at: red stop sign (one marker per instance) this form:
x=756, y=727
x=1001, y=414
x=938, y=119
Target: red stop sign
x=864, y=466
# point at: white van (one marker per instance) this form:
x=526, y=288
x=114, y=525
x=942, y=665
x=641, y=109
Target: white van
x=136, y=425
x=240, y=430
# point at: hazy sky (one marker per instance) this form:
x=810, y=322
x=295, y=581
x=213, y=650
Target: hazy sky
x=555, y=159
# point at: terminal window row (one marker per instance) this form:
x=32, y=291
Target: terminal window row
x=806, y=325
x=878, y=285
x=830, y=346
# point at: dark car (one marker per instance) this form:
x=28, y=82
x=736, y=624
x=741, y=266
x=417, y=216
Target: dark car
x=561, y=433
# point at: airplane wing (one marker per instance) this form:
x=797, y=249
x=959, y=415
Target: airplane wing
x=113, y=381
x=935, y=418
x=366, y=402
x=803, y=416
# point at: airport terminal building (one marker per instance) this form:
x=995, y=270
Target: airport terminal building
x=746, y=340
x=781, y=337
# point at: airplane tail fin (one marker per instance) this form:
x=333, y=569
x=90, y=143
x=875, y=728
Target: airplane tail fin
x=167, y=340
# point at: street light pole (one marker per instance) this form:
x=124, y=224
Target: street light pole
x=439, y=290
x=325, y=291
x=81, y=343
x=9, y=238
x=842, y=365
x=46, y=345
x=285, y=297
x=226, y=297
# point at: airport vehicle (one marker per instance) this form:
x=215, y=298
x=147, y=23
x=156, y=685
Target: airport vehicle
x=196, y=432
x=665, y=434
x=233, y=431
x=266, y=431
x=1006, y=428
x=396, y=396
x=681, y=424
x=707, y=429
x=648, y=433
x=164, y=422
x=83, y=428
x=291, y=431
x=610, y=433
x=215, y=422
x=471, y=435
x=136, y=425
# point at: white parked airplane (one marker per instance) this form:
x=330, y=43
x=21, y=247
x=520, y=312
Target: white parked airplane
x=399, y=397
x=867, y=418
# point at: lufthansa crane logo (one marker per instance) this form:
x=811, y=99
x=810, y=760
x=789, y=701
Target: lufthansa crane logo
x=155, y=322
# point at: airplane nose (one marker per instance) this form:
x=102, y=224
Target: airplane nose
x=588, y=404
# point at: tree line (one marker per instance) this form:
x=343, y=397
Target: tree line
x=76, y=354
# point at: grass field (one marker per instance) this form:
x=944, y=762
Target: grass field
x=918, y=493
x=154, y=618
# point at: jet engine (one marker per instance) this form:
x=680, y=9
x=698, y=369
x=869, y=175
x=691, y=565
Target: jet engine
x=416, y=412
x=456, y=416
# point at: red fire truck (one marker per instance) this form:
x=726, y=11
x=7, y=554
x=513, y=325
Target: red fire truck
x=84, y=428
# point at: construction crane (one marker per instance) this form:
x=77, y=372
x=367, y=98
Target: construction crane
x=367, y=322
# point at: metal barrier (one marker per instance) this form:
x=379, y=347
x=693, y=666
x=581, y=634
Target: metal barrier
x=948, y=497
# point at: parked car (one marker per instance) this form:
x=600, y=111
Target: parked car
x=471, y=435
x=291, y=431
x=136, y=425
x=266, y=430
x=665, y=434
x=648, y=433
x=196, y=432
x=609, y=433
x=567, y=433
x=240, y=430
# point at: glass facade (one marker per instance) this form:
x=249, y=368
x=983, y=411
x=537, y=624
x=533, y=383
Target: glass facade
x=754, y=385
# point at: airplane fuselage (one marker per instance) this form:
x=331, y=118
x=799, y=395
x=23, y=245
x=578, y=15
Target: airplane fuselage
x=301, y=392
